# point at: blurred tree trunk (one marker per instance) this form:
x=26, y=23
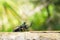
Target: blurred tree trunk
x=49, y=26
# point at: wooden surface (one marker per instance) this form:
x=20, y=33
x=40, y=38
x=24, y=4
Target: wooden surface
x=29, y=36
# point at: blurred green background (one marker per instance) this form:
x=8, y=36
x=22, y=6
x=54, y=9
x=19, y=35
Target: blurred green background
x=44, y=14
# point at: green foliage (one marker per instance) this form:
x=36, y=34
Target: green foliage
x=38, y=20
x=9, y=16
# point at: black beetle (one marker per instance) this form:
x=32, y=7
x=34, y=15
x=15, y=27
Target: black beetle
x=21, y=28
